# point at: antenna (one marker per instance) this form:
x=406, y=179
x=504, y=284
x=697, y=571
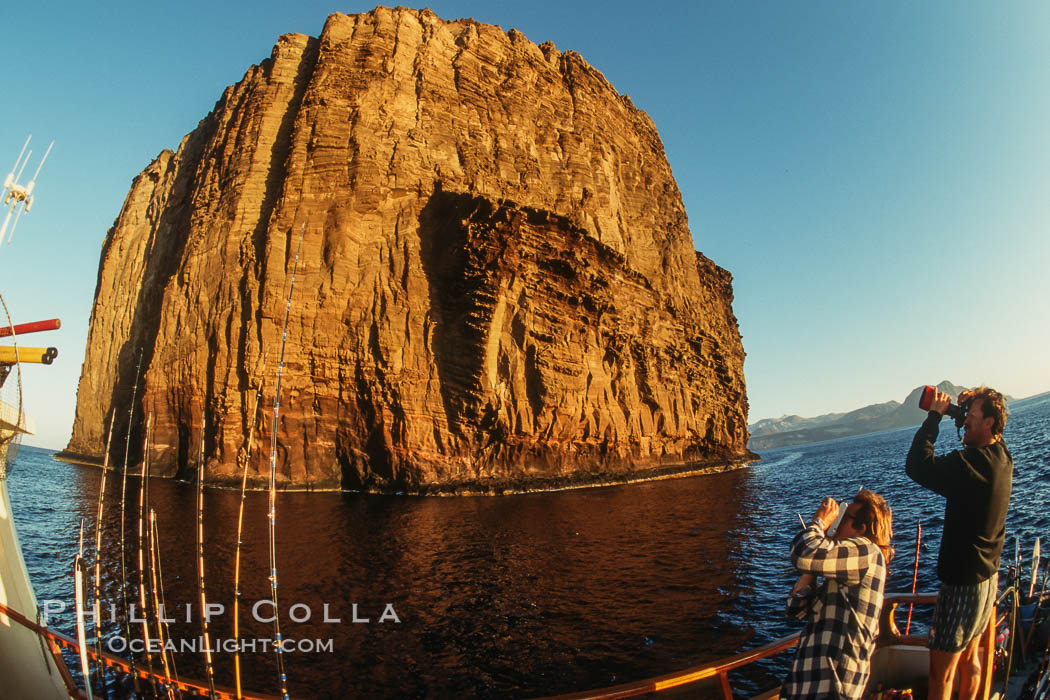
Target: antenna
x=15, y=194
x=11, y=176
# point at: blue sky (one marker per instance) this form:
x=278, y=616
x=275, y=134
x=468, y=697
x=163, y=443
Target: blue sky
x=876, y=176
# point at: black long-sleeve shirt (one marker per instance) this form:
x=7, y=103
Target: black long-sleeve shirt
x=976, y=482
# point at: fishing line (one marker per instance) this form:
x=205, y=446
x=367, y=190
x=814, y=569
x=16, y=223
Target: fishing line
x=915, y=574
x=240, y=529
x=79, y=566
x=158, y=599
x=279, y=646
x=98, y=555
x=123, y=498
x=200, y=563
x=143, y=600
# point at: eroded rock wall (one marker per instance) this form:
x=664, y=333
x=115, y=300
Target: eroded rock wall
x=496, y=284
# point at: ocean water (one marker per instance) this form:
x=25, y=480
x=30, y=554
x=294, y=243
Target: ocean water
x=510, y=596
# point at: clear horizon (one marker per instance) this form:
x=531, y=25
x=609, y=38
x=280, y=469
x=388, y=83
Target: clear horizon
x=874, y=177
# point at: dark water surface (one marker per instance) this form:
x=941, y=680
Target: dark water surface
x=510, y=596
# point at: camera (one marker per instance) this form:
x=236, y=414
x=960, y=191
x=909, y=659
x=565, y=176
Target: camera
x=957, y=412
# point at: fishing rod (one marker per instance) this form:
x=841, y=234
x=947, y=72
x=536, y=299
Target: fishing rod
x=1017, y=594
x=1013, y=590
x=98, y=554
x=1039, y=687
x=1031, y=592
x=1043, y=675
x=200, y=563
x=143, y=599
x=123, y=495
x=240, y=529
x=915, y=574
x=158, y=599
x=79, y=566
x=1042, y=588
x=1035, y=569
x=279, y=646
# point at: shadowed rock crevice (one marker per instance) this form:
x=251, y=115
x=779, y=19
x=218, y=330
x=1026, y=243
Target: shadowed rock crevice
x=455, y=311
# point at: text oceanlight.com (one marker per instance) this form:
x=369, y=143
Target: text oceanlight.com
x=118, y=645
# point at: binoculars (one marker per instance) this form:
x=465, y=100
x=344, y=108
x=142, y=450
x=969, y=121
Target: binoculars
x=957, y=412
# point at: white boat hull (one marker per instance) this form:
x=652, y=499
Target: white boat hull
x=27, y=669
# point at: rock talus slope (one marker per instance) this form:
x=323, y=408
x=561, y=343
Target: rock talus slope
x=496, y=285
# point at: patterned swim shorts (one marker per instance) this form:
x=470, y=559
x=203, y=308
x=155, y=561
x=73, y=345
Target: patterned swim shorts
x=961, y=613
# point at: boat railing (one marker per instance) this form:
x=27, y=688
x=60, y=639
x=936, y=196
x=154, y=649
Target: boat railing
x=1007, y=607
x=719, y=670
x=57, y=641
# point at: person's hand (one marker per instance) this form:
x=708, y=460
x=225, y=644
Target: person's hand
x=940, y=402
x=803, y=581
x=826, y=513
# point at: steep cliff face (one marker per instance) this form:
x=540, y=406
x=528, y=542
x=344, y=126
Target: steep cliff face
x=496, y=284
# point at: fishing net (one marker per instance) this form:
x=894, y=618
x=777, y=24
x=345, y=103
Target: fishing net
x=12, y=418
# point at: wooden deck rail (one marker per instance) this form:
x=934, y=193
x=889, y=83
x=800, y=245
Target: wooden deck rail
x=721, y=668
x=56, y=640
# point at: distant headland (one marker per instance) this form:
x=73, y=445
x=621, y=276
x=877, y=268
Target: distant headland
x=795, y=430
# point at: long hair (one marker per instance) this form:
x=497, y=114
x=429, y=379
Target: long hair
x=875, y=514
x=993, y=405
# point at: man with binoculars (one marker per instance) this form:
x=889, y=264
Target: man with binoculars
x=976, y=483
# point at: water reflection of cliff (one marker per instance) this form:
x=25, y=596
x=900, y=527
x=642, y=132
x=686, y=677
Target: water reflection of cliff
x=520, y=596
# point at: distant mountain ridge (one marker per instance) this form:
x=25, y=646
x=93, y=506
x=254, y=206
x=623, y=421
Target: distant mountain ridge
x=795, y=430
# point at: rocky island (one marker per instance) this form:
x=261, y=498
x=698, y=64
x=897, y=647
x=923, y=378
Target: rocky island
x=496, y=288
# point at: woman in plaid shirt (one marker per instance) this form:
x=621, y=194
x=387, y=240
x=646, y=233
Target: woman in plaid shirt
x=842, y=614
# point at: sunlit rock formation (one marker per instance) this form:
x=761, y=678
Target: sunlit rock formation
x=496, y=288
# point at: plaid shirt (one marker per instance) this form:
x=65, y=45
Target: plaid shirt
x=842, y=615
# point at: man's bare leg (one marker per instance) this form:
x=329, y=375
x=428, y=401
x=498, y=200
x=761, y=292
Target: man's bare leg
x=942, y=673
x=970, y=670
